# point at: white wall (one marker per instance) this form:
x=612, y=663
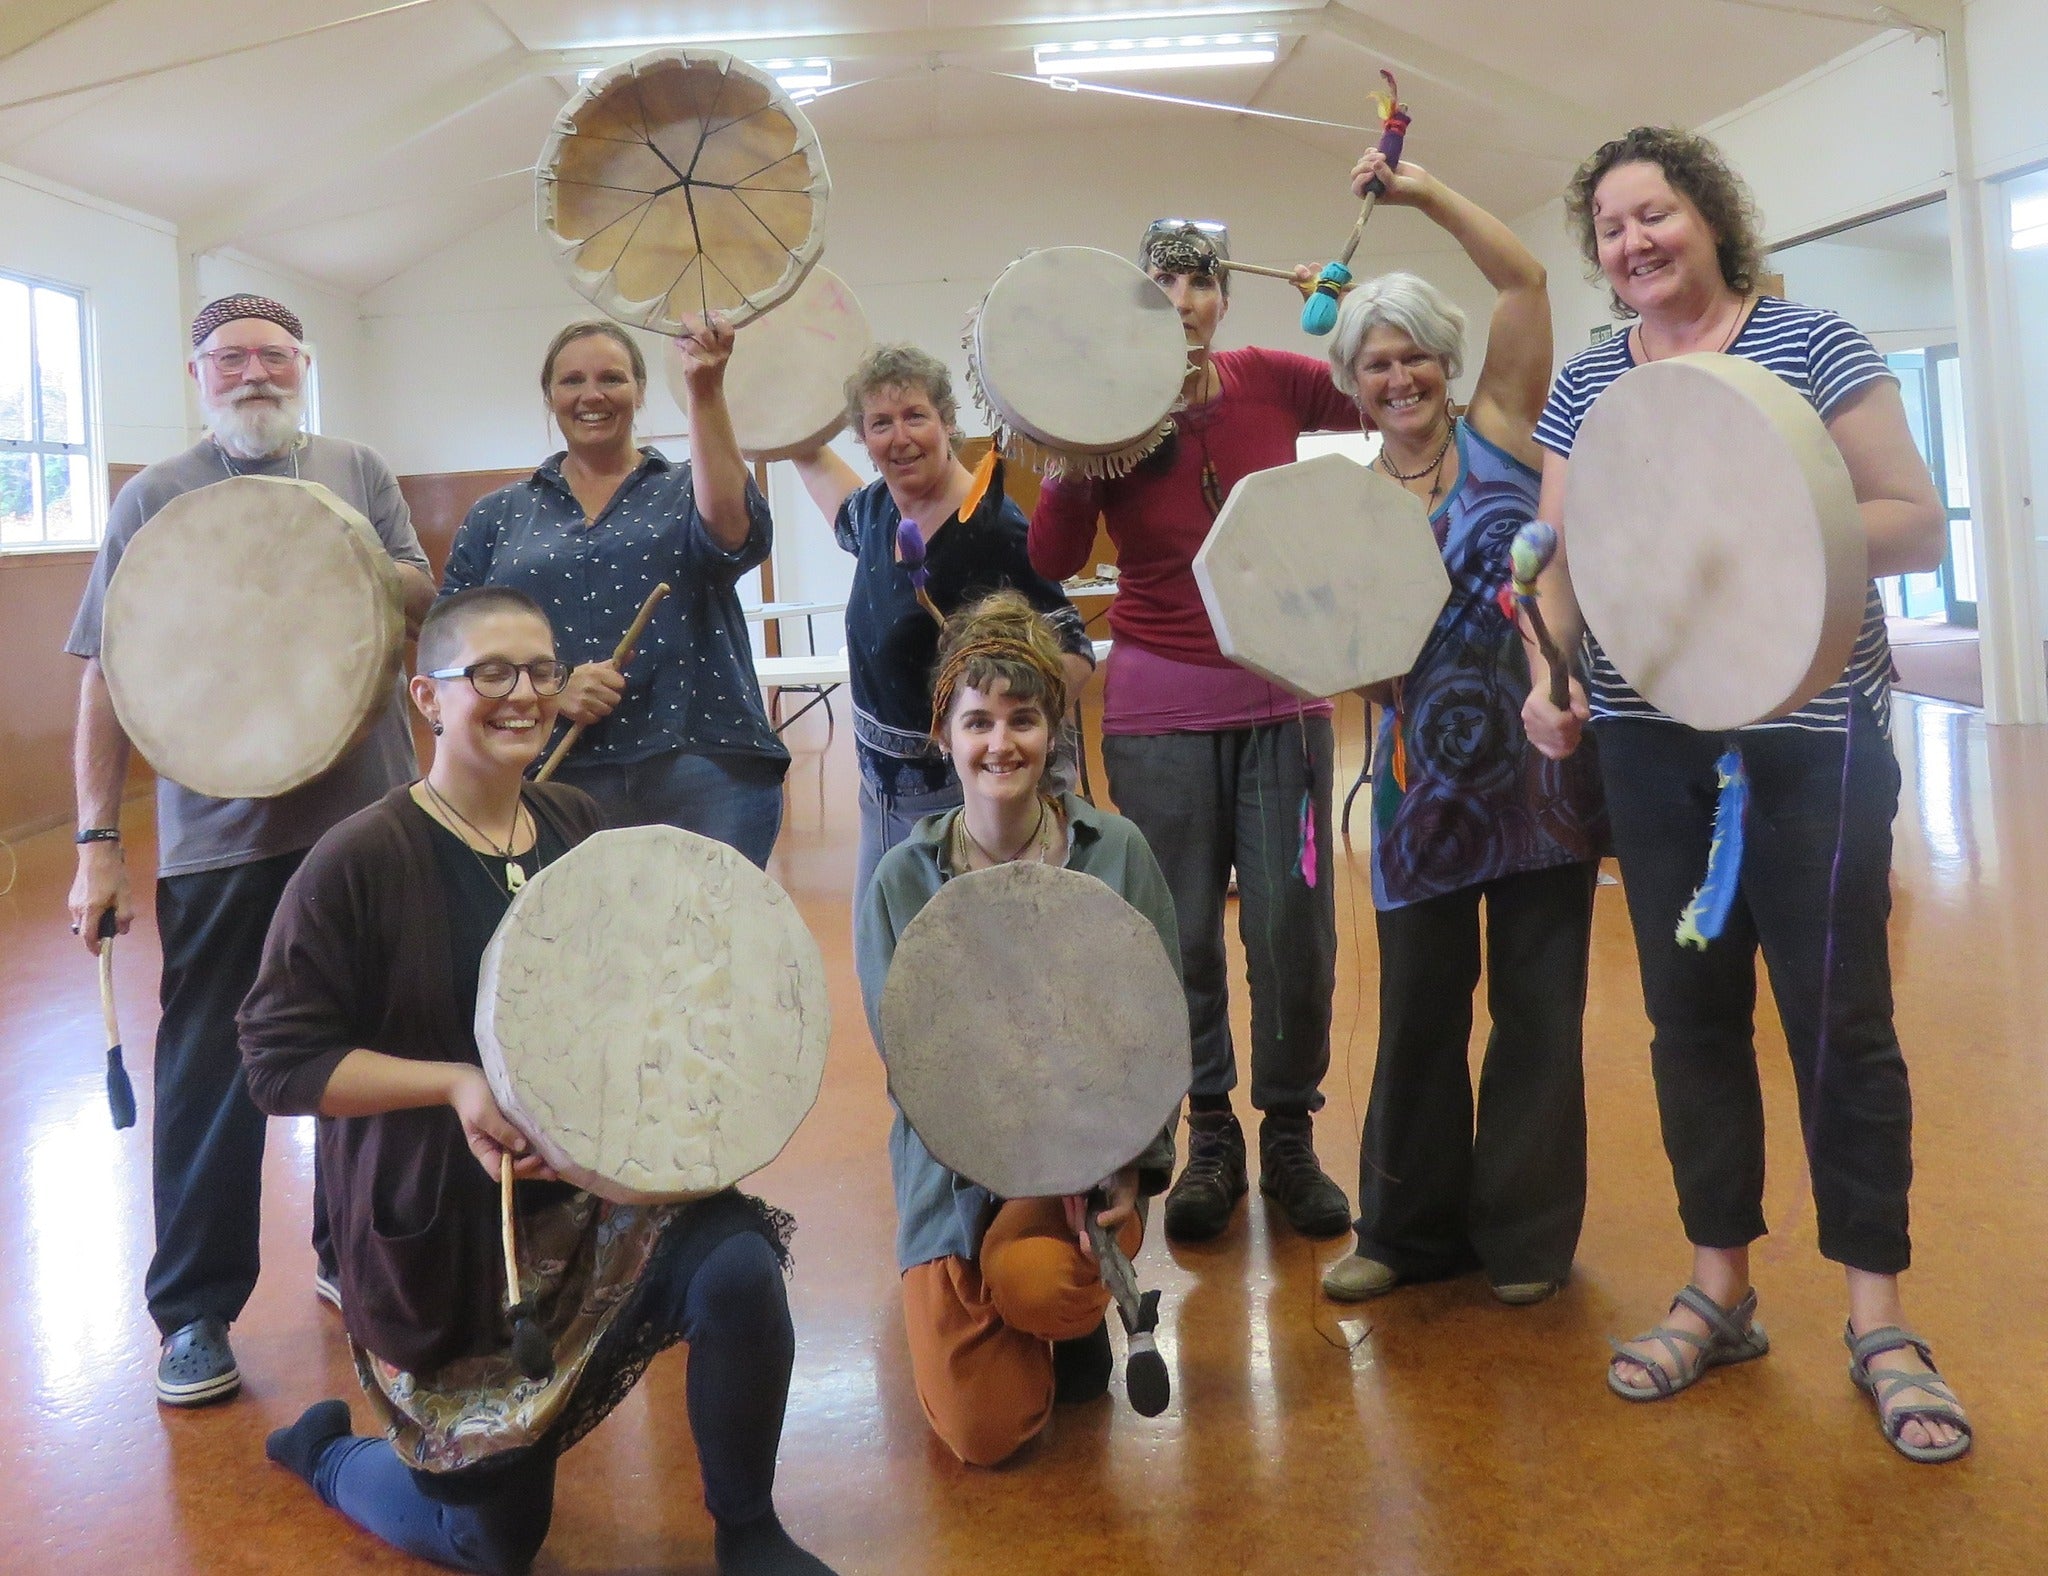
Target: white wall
x=127, y=263
x=1902, y=300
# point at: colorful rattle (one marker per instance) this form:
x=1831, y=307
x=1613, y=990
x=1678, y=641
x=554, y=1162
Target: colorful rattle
x=1534, y=546
x=1319, y=312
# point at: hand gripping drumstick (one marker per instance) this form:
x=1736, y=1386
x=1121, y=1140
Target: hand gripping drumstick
x=120, y=1092
x=1534, y=546
x=1319, y=312
x=1145, y=1377
x=530, y=1349
x=621, y=655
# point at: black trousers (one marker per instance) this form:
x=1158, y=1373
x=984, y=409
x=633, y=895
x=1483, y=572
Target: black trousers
x=1812, y=824
x=1210, y=801
x=206, y=1134
x=1438, y=1192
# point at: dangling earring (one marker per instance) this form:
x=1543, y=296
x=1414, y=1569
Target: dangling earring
x=435, y=727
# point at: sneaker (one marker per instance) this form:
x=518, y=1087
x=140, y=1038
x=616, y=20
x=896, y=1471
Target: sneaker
x=197, y=1365
x=327, y=1287
x=1292, y=1177
x=1359, y=1279
x=1199, y=1203
x=1081, y=1367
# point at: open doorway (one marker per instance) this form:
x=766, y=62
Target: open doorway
x=1891, y=277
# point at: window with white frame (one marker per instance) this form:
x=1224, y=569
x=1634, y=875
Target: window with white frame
x=49, y=489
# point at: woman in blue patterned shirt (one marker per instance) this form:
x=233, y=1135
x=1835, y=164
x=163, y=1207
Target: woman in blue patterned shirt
x=1670, y=228
x=681, y=735
x=1464, y=812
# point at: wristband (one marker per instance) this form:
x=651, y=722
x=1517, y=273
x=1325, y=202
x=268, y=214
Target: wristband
x=97, y=834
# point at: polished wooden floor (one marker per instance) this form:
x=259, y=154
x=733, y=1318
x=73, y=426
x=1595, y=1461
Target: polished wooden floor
x=1430, y=1432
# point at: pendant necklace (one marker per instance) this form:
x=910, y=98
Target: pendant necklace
x=515, y=873
x=1037, y=831
x=1434, y=469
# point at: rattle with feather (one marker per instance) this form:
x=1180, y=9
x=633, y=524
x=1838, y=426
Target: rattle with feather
x=1319, y=311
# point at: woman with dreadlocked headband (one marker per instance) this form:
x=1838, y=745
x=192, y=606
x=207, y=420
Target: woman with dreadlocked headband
x=1001, y=1297
x=1210, y=760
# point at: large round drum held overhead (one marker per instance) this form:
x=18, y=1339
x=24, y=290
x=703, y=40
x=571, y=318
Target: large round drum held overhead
x=253, y=631
x=683, y=181
x=1714, y=540
x=1035, y=1030
x=786, y=382
x=1322, y=576
x=652, y=1011
x=1077, y=357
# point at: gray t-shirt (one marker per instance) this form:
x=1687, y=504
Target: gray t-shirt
x=195, y=832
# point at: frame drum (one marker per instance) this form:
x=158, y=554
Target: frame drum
x=253, y=632
x=1035, y=1030
x=683, y=181
x=786, y=382
x=1077, y=357
x=1714, y=540
x=1322, y=576
x=651, y=1010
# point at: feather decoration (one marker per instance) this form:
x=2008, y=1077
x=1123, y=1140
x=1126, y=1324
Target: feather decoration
x=1305, y=867
x=1707, y=913
x=988, y=480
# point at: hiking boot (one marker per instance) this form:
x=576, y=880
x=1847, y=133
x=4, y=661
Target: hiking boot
x=1292, y=1177
x=1198, y=1205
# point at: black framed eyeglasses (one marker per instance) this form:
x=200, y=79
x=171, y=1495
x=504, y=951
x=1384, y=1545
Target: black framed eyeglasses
x=494, y=678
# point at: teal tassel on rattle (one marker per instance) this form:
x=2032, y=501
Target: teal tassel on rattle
x=1319, y=311
x=1707, y=914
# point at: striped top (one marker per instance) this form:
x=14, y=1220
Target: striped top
x=1826, y=359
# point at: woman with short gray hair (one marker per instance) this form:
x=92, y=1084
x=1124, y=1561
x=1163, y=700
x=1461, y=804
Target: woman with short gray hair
x=919, y=555
x=1465, y=812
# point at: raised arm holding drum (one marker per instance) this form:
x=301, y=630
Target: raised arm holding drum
x=900, y=402
x=222, y=861
x=363, y=1015
x=1213, y=762
x=1465, y=812
x=680, y=736
x=1002, y=1297
x=1669, y=227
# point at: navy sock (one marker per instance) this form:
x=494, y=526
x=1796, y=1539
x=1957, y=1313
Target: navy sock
x=300, y=1446
x=762, y=1547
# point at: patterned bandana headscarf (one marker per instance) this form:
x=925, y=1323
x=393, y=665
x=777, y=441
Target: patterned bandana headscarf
x=228, y=308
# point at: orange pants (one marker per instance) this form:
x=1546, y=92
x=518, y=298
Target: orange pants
x=981, y=1334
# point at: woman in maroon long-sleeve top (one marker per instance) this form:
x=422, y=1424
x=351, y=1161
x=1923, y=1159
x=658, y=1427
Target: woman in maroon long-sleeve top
x=1211, y=761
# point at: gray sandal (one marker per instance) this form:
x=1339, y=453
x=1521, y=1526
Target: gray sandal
x=1735, y=1337
x=1885, y=1386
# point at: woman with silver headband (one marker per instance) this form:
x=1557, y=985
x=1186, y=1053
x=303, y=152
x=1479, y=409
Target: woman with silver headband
x=1212, y=762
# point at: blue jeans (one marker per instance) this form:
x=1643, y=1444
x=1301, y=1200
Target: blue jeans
x=718, y=1287
x=736, y=799
x=885, y=822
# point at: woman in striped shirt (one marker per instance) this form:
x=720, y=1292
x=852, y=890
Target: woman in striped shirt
x=1671, y=229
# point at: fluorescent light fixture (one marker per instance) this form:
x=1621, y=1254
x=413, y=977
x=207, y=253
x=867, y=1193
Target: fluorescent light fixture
x=1092, y=57
x=2029, y=223
x=795, y=76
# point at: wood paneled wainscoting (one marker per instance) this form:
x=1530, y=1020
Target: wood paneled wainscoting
x=39, y=595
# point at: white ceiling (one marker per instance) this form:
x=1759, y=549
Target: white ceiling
x=351, y=153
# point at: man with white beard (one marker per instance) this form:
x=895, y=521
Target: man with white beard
x=222, y=863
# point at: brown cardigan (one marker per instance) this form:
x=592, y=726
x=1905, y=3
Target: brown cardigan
x=358, y=957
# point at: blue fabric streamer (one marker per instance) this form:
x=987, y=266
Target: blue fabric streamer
x=1707, y=913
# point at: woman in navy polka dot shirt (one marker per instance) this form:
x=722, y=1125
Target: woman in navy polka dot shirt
x=680, y=736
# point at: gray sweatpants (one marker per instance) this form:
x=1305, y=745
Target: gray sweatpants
x=1207, y=802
